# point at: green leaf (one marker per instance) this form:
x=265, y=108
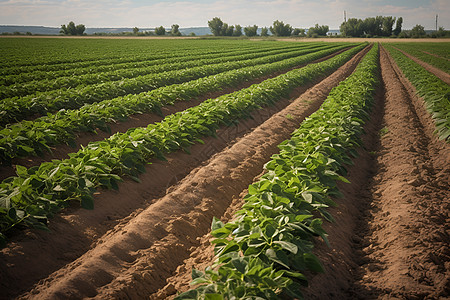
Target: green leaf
x=189, y=295
x=240, y=264
x=21, y=171
x=313, y=263
x=342, y=178
x=269, y=231
x=231, y=247
x=278, y=256
x=196, y=273
x=87, y=201
x=199, y=280
x=213, y=297
x=12, y=213
x=287, y=246
x=216, y=224
x=221, y=233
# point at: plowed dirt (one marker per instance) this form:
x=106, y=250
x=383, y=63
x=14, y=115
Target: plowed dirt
x=146, y=229
x=438, y=72
x=390, y=240
x=392, y=232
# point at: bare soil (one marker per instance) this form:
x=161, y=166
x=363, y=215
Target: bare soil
x=136, y=120
x=390, y=239
x=391, y=236
x=149, y=220
x=432, y=69
x=435, y=55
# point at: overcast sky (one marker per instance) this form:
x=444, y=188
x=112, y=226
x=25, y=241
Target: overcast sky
x=196, y=13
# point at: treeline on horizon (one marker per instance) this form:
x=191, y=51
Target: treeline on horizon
x=379, y=26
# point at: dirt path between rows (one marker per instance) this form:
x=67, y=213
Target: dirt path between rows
x=391, y=236
x=202, y=256
x=134, y=258
x=409, y=232
x=136, y=120
x=73, y=232
x=438, y=72
x=435, y=55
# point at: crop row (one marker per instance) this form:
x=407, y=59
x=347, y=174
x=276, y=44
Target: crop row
x=16, y=109
x=38, y=192
x=43, y=85
x=45, y=55
x=113, y=65
x=35, y=137
x=434, y=91
x=264, y=253
x=438, y=62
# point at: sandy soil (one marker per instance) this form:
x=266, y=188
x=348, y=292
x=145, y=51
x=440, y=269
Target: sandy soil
x=390, y=240
x=435, y=55
x=76, y=231
x=137, y=120
x=438, y=72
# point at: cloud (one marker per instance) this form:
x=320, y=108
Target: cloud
x=148, y=14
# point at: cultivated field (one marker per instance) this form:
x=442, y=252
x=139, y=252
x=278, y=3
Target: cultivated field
x=130, y=167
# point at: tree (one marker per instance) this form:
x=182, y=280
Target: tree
x=251, y=30
x=372, y=26
x=298, y=32
x=135, y=30
x=398, y=26
x=71, y=29
x=227, y=30
x=264, y=31
x=387, y=24
x=353, y=27
x=442, y=32
x=175, y=31
x=418, y=31
x=160, y=30
x=280, y=29
x=80, y=29
x=318, y=30
x=216, y=26
x=237, y=30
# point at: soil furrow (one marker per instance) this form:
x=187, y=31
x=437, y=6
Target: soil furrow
x=73, y=231
x=202, y=256
x=390, y=240
x=406, y=246
x=134, y=259
x=435, y=55
x=438, y=72
x=137, y=120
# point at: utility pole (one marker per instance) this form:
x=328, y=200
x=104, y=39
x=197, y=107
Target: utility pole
x=436, y=21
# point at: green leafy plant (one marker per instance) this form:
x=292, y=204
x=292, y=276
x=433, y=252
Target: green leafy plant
x=434, y=91
x=265, y=251
x=35, y=194
x=35, y=137
x=19, y=108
